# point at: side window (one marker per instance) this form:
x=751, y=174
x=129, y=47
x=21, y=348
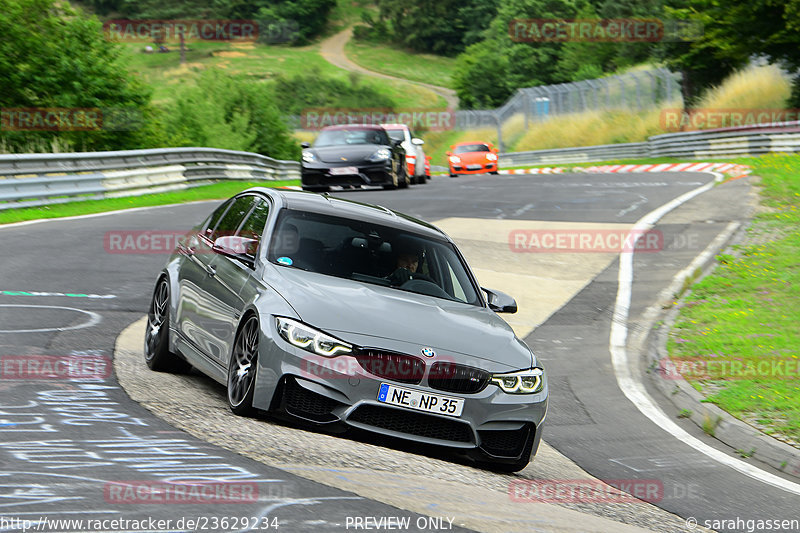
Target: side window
x=231, y=220
x=211, y=223
x=253, y=227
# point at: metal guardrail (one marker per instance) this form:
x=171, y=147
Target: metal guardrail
x=583, y=154
x=41, y=179
x=742, y=141
x=28, y=180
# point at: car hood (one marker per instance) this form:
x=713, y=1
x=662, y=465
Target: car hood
x=366, y=314
x=352, y=152
x=473, y=157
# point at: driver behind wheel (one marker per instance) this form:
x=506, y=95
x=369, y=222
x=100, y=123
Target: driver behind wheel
x=407, y=261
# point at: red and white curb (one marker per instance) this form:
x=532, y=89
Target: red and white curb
x=731, y=169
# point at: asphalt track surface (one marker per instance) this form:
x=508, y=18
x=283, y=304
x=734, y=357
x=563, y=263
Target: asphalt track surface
x=65, y=442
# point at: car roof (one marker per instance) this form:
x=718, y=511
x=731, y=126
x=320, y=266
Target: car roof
x=353, y=127
x=395, y=126
x=329, y=205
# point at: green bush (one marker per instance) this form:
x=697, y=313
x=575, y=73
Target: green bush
x=235, y=113
x=312, y=90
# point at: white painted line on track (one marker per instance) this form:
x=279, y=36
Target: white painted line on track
x=634, y=389
x=93, y=320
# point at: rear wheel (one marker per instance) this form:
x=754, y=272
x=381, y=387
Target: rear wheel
x=156, y=336
x=242, y=369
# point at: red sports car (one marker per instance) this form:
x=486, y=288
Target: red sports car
x=472, y=158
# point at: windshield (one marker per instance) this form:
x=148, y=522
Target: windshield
x=471, y=148
x=368, y=253
x=397, y=135
x=351, y=136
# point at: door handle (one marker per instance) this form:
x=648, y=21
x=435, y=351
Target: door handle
x=212, y=270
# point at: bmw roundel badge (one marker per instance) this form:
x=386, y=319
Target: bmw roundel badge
x=427, y=352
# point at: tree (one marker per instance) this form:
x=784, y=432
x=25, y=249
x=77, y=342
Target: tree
x=54, y=57
x=490, y=71
x=443, y=27
x=734, y=33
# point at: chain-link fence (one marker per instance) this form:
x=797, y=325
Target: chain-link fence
x=640, y=90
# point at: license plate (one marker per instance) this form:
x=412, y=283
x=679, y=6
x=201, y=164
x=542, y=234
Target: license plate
x=420, y=401
x=343, y=171
x=473, y=167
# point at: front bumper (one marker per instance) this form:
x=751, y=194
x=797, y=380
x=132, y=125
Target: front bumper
x=473, y=168
x=339, y=393
x=319, y=174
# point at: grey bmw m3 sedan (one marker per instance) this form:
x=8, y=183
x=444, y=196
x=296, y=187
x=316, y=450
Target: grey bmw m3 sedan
x=348, y=315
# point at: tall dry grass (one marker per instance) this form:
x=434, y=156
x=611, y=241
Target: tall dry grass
x=755, y=87
x=591, y=128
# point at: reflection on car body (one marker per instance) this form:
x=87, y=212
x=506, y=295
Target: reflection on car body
x=294, y=302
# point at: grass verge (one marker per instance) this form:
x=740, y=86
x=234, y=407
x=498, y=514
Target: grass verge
x=424, y=68
x=738, y=326
x=214, y=191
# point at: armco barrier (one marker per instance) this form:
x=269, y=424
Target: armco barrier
x=40, y=179
x=727, y=142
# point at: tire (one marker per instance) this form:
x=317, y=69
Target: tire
x=494, y=173
x=406, y=181
x=420, y=179
x=395, y=180
x=242, y=369
x=453, y=175
x=156, y=336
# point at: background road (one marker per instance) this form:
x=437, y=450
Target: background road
x=63, y=441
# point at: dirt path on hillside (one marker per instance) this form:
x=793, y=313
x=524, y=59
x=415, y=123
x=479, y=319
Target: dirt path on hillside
x=332, y=49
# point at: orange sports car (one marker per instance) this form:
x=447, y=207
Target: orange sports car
x=472, y=158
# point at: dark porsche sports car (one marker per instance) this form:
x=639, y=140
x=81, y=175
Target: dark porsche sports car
x=353, y=155
x=348, y=315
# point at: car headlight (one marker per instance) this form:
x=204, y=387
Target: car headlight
x=455, y=159
x=381, y=154
x=522, y=382
x=491, y=157
x=310, y=339
x=308, y=157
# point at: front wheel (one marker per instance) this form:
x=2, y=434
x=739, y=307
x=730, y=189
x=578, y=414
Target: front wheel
x=156, y=336
x=242, y=369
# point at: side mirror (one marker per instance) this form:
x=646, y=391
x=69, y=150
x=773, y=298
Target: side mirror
x=495, y=150
x=500, y=302
x=237, y=247
x=305, y=145
x=418, y=142
x=397, y=142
